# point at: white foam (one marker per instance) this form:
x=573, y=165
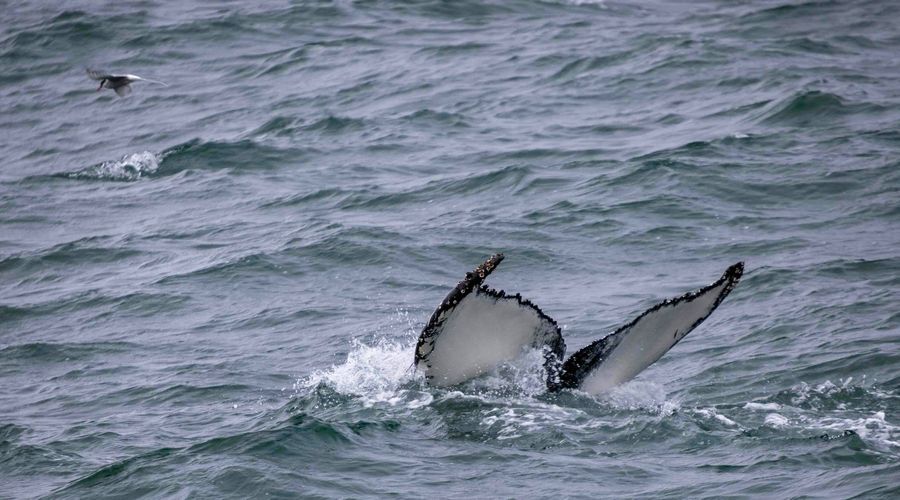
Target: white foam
x=599, y=3
x=530, y=417
x=712, y=413
x=130, y=168
x=669, y=408
x=874, y=429
x=725, y=420
x=762, y=406
x=524, y=374
x=826, y=388
x=374, y=372
x=638, y=395
x=777, y=421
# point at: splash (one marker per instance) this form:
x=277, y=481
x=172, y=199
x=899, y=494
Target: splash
x=776, y=420
x=834, y=408
x=713, y=414
x=641, y=395
x=524, y=376
x=381, y=371
x=827, y=389
x=130, y=168
x=762, y=406
x=373, y=372
x=874, y=429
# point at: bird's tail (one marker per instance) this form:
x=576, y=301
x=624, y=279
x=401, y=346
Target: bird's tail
x=164, y=84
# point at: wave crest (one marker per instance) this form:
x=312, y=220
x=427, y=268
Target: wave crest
x=129, y=168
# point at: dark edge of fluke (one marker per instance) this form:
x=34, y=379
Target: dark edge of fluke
x=472, y=281
x=580, y=364
x=553, y=353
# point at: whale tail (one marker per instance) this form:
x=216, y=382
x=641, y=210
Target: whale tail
x=476, y=328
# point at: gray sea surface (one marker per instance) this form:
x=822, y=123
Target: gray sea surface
x=214, y=289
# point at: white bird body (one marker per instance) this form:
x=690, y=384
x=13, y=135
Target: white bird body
x=120, y=83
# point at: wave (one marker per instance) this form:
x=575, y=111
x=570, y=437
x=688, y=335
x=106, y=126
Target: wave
x=380, y=373
x=311, y=198
x=241, y=155
x=431, y=117
x=254, y=264
x=333, y=243
x=814, y=107
x=43, y=352
x=335, y=124
x=238, y=156
x=809, y=7
x=70, y=28
x=369, y=197
x=278, y=126
x=833, y=409
x=501, y=407
x=332, y=125
x=454, y=49
x=95, y=249
x=301, y=438
x=129, y=168
x=140, y=304
x=374, y=397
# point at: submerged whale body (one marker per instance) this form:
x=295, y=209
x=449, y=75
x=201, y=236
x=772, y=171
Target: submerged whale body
x=476, y=328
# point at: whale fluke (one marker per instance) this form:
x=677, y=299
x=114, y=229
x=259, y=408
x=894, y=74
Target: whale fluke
x=476, y=328
x=626, y=352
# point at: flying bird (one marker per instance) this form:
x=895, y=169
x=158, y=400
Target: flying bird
x=120, y=83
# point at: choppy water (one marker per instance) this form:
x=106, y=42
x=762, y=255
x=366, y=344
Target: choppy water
x=214, y=289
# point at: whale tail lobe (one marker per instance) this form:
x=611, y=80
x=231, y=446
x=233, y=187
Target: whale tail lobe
x=476, y=328
x=621, y=355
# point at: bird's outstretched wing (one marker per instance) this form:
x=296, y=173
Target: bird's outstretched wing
x=97, y=75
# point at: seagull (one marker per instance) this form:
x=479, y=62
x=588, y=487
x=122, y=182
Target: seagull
x=120, y=83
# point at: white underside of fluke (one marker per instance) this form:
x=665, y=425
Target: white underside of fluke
x=479, y=334
x=651, y=336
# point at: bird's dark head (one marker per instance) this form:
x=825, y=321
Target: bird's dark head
x=103, y=81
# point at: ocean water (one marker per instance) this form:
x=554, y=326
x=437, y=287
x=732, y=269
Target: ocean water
x=213, y=289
